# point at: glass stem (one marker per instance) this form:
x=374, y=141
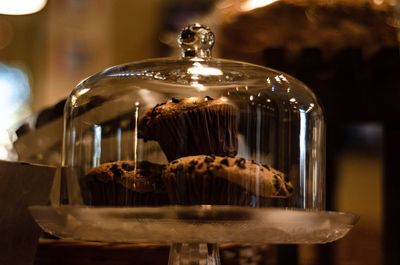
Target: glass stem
x=194, y=254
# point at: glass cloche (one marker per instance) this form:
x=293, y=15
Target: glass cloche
x=193, y=152
x=191, y=131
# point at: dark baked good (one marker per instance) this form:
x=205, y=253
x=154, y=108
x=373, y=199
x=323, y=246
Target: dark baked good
x=192, y=126
x=121, y=184
x=223, y=180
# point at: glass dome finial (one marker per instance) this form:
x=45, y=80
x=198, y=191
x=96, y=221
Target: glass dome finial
x=196, y=40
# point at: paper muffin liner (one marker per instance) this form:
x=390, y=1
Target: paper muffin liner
x=208, y=130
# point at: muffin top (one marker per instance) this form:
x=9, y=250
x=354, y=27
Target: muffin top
x=259, y=179
x=145, y=177
x=176, y=107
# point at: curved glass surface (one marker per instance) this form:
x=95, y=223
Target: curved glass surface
x=193, y=131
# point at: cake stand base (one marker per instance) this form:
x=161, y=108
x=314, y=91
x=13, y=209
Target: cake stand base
x=193, y=231
x=194, y=254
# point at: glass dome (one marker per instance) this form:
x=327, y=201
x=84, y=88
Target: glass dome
x=193, y=130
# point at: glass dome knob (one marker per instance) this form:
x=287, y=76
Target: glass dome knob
x=196, y=40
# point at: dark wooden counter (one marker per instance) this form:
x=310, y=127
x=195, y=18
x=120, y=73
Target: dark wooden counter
x=63, y=252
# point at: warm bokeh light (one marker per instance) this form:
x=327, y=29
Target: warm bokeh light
x=14, y=95
x=253, y=4
x=21, y=7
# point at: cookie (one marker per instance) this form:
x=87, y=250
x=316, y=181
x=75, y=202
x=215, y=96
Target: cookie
x=223, y=180
x=122, y=183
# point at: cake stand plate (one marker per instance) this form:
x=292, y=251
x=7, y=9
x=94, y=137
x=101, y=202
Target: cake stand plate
x=193, y=224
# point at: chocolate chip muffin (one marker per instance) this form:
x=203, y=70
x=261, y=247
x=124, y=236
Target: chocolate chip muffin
x=120, y=183
x=192, y=126
x=225, y=181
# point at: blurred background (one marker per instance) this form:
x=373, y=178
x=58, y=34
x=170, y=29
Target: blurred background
x=347, y=51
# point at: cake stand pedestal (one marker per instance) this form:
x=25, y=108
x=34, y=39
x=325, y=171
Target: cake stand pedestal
x=193, y=232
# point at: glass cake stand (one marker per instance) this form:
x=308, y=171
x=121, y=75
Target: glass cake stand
x=194, y=232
